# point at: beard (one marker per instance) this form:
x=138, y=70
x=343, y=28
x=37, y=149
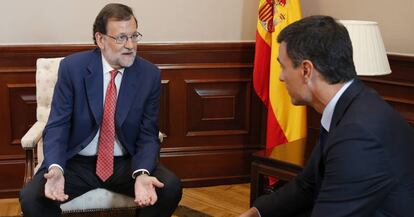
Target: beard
x=126, y=60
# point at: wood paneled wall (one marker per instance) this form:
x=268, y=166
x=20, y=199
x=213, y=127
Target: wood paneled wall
x=209, y=112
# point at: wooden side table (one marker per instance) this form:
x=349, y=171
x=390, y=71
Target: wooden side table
x=283, y=162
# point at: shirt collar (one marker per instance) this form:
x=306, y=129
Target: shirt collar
x=329, y=109
x=107, y=68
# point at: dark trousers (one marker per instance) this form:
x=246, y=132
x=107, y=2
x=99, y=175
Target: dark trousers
x=305, y=214
x=80, y=177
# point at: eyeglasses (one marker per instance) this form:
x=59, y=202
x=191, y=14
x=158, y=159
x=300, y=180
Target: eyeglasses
x=121, y=39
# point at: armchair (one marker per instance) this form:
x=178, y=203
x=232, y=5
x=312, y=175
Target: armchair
x=100, y=202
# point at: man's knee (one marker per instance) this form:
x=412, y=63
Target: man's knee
x=28, y=198
x=172, y=188
x=24, y=200
x=33, y=201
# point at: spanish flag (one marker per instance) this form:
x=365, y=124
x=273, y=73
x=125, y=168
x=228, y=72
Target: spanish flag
x=285, y=122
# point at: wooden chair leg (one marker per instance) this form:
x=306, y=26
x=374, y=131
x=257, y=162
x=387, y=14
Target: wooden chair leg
x=29, y=167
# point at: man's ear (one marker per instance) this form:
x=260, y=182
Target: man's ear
x=99, y=40
x=307, y=70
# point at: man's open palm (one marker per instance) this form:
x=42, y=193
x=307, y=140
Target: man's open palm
x=55, y=185
x=145, y=194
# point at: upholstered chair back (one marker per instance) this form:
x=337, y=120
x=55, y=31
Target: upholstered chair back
x=46, y=77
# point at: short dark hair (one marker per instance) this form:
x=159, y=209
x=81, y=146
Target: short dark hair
x=323, y=41
x=115, y=11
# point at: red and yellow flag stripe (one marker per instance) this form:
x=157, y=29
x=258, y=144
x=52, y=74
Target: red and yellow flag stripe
x=285, y=122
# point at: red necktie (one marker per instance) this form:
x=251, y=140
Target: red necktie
x=105, y=162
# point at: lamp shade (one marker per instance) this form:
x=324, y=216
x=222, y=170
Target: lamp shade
x=369, y=54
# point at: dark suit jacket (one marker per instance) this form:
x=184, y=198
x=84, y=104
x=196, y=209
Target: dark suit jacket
x=365, y=168
x=77, y=109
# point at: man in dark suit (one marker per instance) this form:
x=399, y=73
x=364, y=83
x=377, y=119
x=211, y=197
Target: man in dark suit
x=88, y=111
x=363, y=164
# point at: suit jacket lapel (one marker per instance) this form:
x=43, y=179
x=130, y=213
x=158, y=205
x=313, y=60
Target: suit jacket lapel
x=341, y=106
x=344, y=101
x=94, y=86
x=126, y=96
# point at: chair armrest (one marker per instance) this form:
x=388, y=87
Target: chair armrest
x=33, y=135
x=161, y=136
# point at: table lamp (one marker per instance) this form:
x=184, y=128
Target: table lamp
x=369, y=55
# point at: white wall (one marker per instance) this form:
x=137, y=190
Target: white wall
x=395, y=18
x=70, y=21
x=63, y=22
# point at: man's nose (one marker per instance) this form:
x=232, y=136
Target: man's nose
x=129, y=44
x=281, y=77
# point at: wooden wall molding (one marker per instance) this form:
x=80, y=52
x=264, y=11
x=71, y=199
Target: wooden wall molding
x=21, y=56
x=23, y=102
x=216, y=107
x=207, y=146
x=164, y=111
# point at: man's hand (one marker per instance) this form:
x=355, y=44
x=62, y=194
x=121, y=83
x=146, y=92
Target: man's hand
x=55, y=184
x=252, y=212
x=145, y=194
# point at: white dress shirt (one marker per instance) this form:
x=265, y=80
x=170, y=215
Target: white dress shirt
x=329, y=109
x=92, y=148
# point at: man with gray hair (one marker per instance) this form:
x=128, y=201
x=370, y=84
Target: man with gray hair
x=102, y=130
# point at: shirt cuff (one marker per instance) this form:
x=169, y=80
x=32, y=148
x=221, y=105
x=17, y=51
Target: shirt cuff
x=137, y=171
x=56, y=165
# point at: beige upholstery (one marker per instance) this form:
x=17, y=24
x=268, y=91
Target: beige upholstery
x=46, y=76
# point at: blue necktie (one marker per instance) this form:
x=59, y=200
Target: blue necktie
x=323, y=134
